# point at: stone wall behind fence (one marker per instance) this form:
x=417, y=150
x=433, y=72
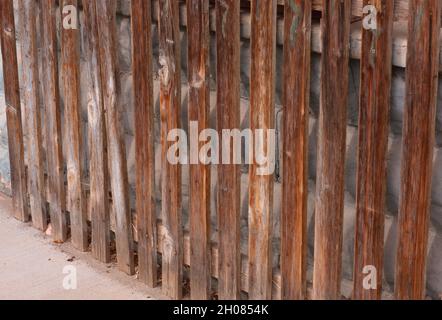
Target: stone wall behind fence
x=434, y=269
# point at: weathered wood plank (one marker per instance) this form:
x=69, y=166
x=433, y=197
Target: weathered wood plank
x=56, y=188
x=417, y=151
x=170, y=109
x=70, y=68
x=228, y=117
x=262, y=120
x=374, y=108
x=98, y=170
x=144, y=141
x=13, y=111
x=400, y=7
x=399, y=35
x=199, y=111
x=36, y=182
x=335, y=26
x=106, y=23
x=346, y=284
x=297, y=30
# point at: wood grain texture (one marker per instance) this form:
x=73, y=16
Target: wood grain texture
x=13, y=111
x=56, y=187
x=399, y=34
x=106, y=23
x=199, y=111
x=98, y=170
x=374, y=108
x=262, y=117
x=417, y=148
x=70, y=73
x=144, y=141
x=228, y=117
x=31, y=101
x=400, y=7
x=335, y=26
x=297, y=31
x=170, y=113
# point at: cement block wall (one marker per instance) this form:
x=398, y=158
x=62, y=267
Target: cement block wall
x=434, y=269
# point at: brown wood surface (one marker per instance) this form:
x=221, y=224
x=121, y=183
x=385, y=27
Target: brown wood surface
x=417, y=148
x=228, y=117
x=262, y=117
x=144, y=141
x=13, y=111
x=224, y=260
x=107, y=48
x=400, y=7
x=374, y=108
x=199, y=110
x=70, y=73
x=98, y=169
x=335, y=25
x=170, y=109
x=297, y=30
x=51, y=98
x=399, y=34
x=32, y=112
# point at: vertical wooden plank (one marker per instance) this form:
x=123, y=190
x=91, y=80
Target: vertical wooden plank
x=99, y=183
x=13, y=111
x=375, y=85
x=335, y=27
x=170, y=109
x=70, y=73
x=297, y=43
x=28, y=38
x=144, y=141
x=228, y=117
x=106, y=22
x=199, y=110
x=56, y=189
x=417, y=148
x=262, y=117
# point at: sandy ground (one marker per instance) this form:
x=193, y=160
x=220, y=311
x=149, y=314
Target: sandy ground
x=31, y=267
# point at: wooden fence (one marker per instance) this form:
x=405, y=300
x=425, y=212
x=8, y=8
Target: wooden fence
x=160, y=250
